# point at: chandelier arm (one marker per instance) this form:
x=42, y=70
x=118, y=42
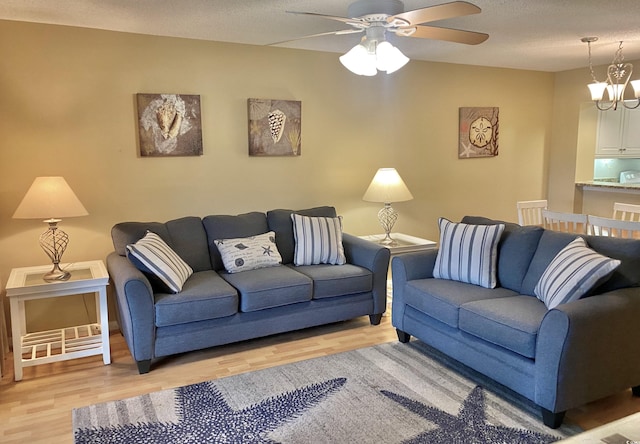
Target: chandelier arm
x=624, y=103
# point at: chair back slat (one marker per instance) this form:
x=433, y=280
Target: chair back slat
x=530, y=211
x=566, y=222
x=604, y=226
x=624, y=211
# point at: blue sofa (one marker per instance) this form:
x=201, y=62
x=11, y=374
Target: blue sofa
x=560, y=358
x=216, y=307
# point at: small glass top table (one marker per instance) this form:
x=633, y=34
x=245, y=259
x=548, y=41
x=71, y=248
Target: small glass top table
x=35, y=348
x=403, y=243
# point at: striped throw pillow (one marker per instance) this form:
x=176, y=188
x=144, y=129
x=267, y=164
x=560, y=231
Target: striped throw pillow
x=318, y=240
x=152, y=255
x=574, y=271
x=468, y=253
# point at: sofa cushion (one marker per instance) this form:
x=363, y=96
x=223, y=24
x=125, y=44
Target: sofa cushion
x=205, y=295
x=152, y=255
x=227, y=227
x=515, y=250
x=270, y=287
x=249, y=253
x=628, y=252
x=441, y=299
x=574, y=271
x=318, y=240
x=510, y=322
x=330, y=281
x=468, y=253
x=280, y=222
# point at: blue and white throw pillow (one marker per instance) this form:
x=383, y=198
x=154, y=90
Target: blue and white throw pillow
x=152, y=255
x=318, y=240
x=574, y=271
x=468, y=253
x=249, y=253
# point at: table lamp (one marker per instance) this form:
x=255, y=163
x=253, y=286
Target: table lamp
x=387, y=186
x=51, y=198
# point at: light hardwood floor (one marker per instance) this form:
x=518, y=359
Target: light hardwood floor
x=38, y=408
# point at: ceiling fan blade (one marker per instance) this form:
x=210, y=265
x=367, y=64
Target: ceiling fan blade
x=447, y=34
x=438, y=12
x=339, y=32
x=349, y=21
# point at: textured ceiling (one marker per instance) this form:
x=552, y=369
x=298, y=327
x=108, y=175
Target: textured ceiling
x=541, y=35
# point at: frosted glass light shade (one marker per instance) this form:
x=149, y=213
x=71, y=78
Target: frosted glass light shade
x=636, y=88
x=389, y=58
x=49, y=198
x=615, y=91
x=597, y=90
x=359, y=61
x=387, y=186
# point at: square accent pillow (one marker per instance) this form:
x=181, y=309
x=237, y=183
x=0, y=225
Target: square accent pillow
x=574, y=271
x=468, y=253
x=152, y=255
x=249, y=253
x=318, y=240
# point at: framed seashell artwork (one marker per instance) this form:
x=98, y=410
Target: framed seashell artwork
x=274, y=127
x=169, y=125
x=478, y=134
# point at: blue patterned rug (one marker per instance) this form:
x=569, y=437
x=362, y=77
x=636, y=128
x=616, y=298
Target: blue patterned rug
x=390, y=393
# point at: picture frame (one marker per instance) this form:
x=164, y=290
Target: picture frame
x=275, y=127
x=169, y=125
x=478, y=132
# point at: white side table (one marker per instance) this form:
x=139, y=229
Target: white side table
x=43, y=347
x=404, y=244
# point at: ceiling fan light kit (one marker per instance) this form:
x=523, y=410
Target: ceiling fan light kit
x=377, y=17
x=618, y=77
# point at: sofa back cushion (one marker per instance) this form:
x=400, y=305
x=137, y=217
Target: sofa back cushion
x=628, y=252
x=229, y=227
x=280, y=222
x=515, y=250
x=185, y=236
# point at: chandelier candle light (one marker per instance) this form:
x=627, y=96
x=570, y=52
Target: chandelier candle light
x=387, y=186
x=51, y=198
x=618, y=77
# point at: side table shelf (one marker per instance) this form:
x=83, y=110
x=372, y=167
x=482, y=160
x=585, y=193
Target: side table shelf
x=43, y=347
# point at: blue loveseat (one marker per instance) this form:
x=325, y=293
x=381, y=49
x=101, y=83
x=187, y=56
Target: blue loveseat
x=216, y=307
x=559, y=358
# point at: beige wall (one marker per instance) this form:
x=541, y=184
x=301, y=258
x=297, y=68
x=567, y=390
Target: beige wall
x=68, y=109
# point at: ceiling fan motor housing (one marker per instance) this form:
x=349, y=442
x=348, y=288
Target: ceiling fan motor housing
x=383, y=8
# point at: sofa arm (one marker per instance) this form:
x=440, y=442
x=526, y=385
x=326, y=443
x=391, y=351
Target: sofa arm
x=404, y=268
x=374, y=258
x=135, y=303
x=588, y=349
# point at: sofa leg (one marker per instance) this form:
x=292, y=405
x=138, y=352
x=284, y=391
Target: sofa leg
x=402, y=336
x=144, y=366
x=551, y=419
x=635, y=390
x=375, y=318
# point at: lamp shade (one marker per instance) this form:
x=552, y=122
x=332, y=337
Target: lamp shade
x=387, y=186
x=49, y=198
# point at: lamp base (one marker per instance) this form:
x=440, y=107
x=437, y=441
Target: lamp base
x=57, y=274
x=388, y=241
x=387, y=217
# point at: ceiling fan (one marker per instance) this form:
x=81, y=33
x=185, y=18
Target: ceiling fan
x=377, y=17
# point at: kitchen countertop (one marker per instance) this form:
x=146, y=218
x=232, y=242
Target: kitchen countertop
x=596, y=185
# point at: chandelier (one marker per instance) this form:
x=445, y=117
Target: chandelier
x=618, y=76
x=374, y=54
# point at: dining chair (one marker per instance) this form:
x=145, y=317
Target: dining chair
x=530, y=211
x=566, y=222
x=624, y=211
x=604, y=226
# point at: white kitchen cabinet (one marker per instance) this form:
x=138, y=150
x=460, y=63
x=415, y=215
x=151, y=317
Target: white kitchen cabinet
x=618, y=133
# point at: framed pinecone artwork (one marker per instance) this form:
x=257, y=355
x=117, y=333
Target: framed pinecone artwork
x=274, y=127
x=478, y=135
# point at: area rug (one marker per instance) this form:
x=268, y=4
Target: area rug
x=390, y=393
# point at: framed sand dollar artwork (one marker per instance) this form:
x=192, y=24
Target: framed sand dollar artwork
x=478, y=133
x=274, y=127
x=169, y=125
